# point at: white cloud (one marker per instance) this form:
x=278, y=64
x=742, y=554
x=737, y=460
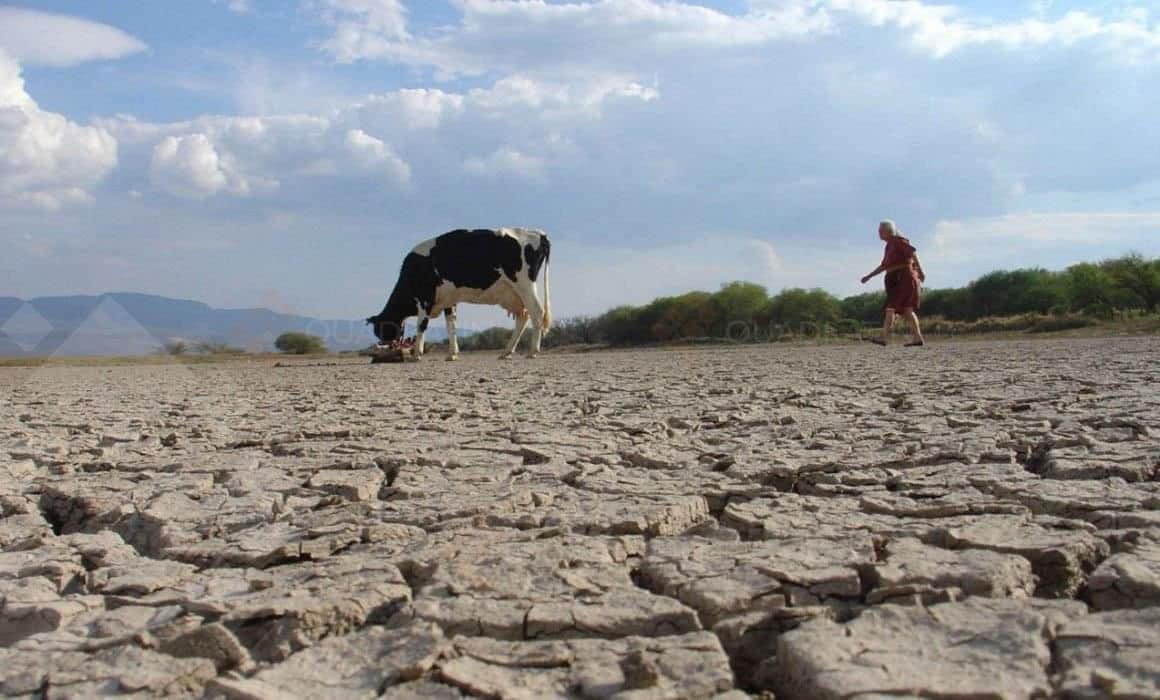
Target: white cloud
x=50, y=199
x=190, y=166
x=515, y=35
x=768, y=256
x=257, y=156
x=43, y=38
x=550, y=100
x=46, y=161
x=363, y=28
x=518, y=126
x=1048, y=227
x=506, y=161
x=374, y=156
x=1001, y=239
x=801, y=121
x=241, y=7
x=411, y=109
x=943, y=29
x=548, y=38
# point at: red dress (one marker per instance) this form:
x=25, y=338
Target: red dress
x=902, y=286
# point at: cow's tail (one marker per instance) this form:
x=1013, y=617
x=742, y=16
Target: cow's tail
x=547, y=320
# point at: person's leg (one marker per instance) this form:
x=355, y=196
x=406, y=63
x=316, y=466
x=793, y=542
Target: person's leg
x=912, y=317
x=888, y=326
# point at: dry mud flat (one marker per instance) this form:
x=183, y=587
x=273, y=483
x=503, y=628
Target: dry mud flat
x=966, y=520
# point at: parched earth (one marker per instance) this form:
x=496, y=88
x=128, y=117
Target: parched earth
x=965, y=520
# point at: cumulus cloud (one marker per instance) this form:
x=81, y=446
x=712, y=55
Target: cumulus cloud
x=579, y=97
x=799, y=103
x=505, y=36
x=363, y=28
x=798, y=122
x=190, y=166
x=46, y=161
x=517, y=127
x=32, y=37
x=944, y=29
x=506, y=161
x=256, y=156
x=240, y=7
x=685, y=63
x=1000, y=239
x=410, y=109
x=374, y=156
x=512, y=35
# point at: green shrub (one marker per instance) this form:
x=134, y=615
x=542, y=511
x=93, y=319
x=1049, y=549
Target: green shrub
x=295, y=343
x=494, y=338
x=176, y=348
x=217, y=348
x=1051, y=324
x=1099, y=310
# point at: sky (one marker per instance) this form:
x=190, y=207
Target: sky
x=288, y=153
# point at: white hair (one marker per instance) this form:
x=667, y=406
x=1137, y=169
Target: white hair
x=889, y=226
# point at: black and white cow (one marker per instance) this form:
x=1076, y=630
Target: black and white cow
x=482, y=266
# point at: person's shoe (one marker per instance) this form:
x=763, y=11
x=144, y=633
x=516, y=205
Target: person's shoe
x=877, y=341
x=916, y=343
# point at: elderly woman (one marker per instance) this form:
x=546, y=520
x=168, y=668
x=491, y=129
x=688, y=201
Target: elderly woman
x=904, y=276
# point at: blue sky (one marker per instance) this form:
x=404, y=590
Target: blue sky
x=287, y=154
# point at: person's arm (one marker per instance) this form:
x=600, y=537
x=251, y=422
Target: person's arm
x=881, y=268
x=878, y=270
x=918, y=267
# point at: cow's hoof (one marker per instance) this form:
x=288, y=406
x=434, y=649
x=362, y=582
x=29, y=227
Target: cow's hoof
x=452, y=358
x=532, y=355
x=506, y=356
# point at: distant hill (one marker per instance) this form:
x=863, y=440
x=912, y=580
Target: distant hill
x=135, y=324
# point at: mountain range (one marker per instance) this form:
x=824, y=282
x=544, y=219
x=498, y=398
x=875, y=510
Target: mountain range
x=125, y=323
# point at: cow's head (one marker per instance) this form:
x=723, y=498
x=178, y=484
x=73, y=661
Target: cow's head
x=387, y=329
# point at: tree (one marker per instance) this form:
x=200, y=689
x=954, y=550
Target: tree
x=176, y=348
x=740, y=302
x=1039, y=291
x=1089, y=288
x=866, y=308
x=622, y=325
x=798, y=309
x=742, y=310
x=295, y=343
x=953, y=304
x=494, y=338
x=213, y=347
x=1138, y=276
x=1009, y=292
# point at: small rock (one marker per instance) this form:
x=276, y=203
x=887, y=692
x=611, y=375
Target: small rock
x=213, y=642
x=639, y=671
x=979, y=648
x=1111, y=654
x=110, y=439
x=1127, y=580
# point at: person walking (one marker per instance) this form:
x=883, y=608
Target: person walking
x=903, y=282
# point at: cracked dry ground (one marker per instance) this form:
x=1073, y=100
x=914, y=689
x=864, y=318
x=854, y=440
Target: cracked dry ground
x=966, y=520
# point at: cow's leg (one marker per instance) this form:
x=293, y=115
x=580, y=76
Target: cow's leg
x=521, y=324
x=420, y=331
x=536, y=311
x=452, y=339
x=533, y=311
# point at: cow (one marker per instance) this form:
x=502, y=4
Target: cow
x=481, y=266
